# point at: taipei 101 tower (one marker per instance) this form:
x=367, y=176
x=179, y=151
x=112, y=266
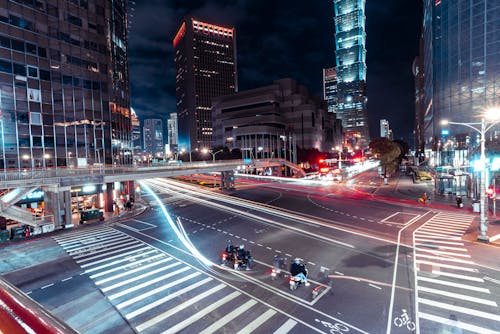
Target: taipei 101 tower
x=350, y=56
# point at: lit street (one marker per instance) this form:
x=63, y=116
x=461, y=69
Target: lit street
x=153, y=283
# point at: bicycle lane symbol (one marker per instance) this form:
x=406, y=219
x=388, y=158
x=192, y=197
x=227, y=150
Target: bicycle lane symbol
x=334, y=328
x=404, y=320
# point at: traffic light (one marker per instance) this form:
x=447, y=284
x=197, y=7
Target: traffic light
x=490, y=192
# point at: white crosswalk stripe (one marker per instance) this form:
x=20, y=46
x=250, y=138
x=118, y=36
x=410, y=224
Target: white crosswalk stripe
x=157, y=293
x=447, y=280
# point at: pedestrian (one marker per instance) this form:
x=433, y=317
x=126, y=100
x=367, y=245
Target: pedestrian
x=460, y=203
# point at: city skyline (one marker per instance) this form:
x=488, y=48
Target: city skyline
x=268, y=50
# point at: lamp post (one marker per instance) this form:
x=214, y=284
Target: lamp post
x=212, y=153
x=492, y=114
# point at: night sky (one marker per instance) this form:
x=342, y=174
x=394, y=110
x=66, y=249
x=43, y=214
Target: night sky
x=278, y=39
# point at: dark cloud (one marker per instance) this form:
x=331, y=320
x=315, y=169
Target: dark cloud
x=277, y=39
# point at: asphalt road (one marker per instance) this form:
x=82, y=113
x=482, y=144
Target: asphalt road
x=394, y=268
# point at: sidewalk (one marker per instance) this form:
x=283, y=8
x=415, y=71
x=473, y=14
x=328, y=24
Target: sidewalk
x=403, y=189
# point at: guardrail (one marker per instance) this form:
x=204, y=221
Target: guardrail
x=20, y=314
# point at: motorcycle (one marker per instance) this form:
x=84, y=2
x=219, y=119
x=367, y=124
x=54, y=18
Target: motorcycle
x=278, y=266
x=236, y=260
x=295, y=281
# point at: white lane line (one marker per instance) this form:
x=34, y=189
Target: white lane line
x=123, y=259
x=440, y=231
x=440, y=235
x=261, y=319
x=441, y=252
x=104, y=251
x=452, y=323
x=463, y=227
x=112, y=252
x=149, y=282
x=441, y=258
x=143, y=222
x=195, y=317
x=457, y=249
x=165, y=299
x=460, y=309
x=66, y=279
x=92, y=241
x=438, y=241
x=495, y=238
x=443, y=229
x=129, y=272
x=124, y=266
x=449, y=266
x=97, y=245
x=267, y=247
x=469, y=278
x=89, y=239
x=289, y=255
x=228, y=317
x=486, y=278
x=136, y=278
x=47, y=286
x=87, y=233
x=374, y=286
x=311, y=263
x=160, y=317
x=456, y=285
x=286, y=327
x=458, y=296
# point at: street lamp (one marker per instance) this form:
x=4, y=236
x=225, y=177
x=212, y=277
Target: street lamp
x=212, y=153
x=492, y=114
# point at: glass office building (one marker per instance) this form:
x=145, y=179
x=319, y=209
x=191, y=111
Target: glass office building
x=462, y=70
x=350, y=52
x=205, y=59
x=64, y=84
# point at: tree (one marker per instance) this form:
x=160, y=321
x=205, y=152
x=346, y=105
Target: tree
x=387, y=152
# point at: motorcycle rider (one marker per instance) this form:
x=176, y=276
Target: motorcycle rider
x=298, y=270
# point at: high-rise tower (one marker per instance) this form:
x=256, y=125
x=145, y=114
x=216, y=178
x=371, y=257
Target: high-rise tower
x=350, y=52
x=205, y=58
x=64, y=85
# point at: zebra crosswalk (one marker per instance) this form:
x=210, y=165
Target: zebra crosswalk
x=157, y=293
x=449, y=288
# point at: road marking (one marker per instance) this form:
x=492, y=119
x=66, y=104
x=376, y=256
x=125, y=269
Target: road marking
x=486, y=278
x=47, y=286
x=458, y=296
x=136, y=278
x=228, y=317
x=468, y=327
x=286, y=327
x=252, y=326
x=439, y=241
x=111, y=278
x=123, y=258
x=495, y=238
x=460, y=309
x=469, y=278
x=449, y=266
x=456, y=285
x=107, y=250
x=437, y=235
x=374, y=286
x=441, y=252
x=66, y=279
x=107, y=258
x=165, y=299
x=101, y=241
x=145, y=284
x=195, y=317
x=123, y=266
x=441, y=258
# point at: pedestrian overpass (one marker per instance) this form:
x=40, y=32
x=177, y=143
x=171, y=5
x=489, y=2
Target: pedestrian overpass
x=57, y=183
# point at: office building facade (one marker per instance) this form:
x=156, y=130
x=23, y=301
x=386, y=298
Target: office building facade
x=350, y=56
x=330, y=88
x=173, y=136
x=205, y=59
x=64, y=86
x=153, y=137
x=272, y=121
x=462, y=72
x=385, y=130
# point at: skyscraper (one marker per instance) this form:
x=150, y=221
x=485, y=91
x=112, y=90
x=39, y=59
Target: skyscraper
x=64, y=86
x=462, y=70
x=205, y=58
x=153, y=136
x=330, y=88
x=350, y=55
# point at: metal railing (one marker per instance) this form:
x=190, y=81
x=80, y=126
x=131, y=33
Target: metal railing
x=20, y=314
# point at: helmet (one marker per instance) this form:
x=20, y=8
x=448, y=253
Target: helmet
x=242, y=246
x=297, y=261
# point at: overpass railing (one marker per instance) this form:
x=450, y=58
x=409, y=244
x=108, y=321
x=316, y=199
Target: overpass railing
x=20, y=314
